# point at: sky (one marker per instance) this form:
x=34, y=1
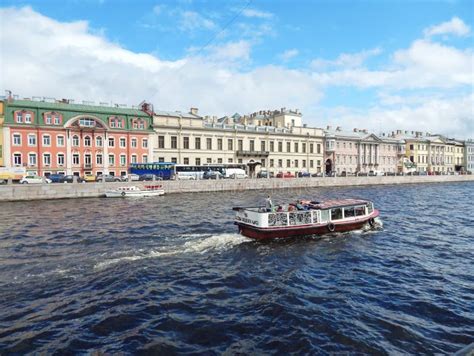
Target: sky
x=380, y=65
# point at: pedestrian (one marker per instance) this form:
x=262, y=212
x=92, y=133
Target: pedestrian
x=268, y=204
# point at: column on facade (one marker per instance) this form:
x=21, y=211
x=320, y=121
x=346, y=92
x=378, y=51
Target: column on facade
x=105, y=159
x=7, y=153
x=68, y=152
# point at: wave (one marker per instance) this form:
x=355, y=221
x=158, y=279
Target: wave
x=214, y=243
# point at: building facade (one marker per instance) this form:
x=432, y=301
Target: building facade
x=49, y=136
x=2, y=119
x=469, y=155
x=190, y=139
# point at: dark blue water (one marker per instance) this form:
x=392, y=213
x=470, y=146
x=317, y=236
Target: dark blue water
x=170, y=275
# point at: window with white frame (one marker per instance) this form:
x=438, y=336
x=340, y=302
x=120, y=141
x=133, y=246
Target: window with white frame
x=98, y=159
x=86, y=122
x=145, y=143
x=145, y=159
x=134, y=158
x=17, y=159
x=111, y=160
x=46, y=140
x=16, y=140
x=19, y=117
x=122, y=142
x=48, y=120
x=60, y=141
x=75, y=159
x=60, y=159
x=31, y=140
x=133, y=142
x=98, y=141
x=141, y=124
x=87, y=141
x=47, y=159
x=75, y=140
x=111, y=142
x=28, y=118
x=123, y=160
x=57, y=120
x=32, y=159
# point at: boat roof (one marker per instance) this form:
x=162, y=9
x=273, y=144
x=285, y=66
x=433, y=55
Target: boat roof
x=339, y=202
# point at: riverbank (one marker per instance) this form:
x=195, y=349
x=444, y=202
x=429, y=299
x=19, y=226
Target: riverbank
x=17, y=192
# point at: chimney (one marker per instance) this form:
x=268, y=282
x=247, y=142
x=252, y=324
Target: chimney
x=193, y=111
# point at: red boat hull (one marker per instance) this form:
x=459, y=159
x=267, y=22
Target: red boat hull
x=292, y=231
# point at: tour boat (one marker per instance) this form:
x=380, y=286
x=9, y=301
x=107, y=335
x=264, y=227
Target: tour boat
x=305, y=218
x=134, y=191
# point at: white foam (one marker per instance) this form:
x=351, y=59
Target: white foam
x=214, y=243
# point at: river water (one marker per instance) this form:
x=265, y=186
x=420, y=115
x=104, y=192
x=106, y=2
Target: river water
x=171, y=275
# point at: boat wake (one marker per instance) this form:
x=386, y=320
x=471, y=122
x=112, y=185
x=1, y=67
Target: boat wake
x=199, y=245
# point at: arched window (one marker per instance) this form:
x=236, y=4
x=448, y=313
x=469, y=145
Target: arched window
x=75, y=140
x=87, y=141
x=98, y=141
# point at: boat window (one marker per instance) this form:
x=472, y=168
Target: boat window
x=349, y=212
x=300, y=218
x=324, y=215
x=336, y=214
x=360, y=210
x=370, y=208
x=278, y=219
x=315, y=216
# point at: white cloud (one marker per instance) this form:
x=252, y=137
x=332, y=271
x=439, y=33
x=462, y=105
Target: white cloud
x=257, y=13
x=158, y=9
x=191, y=21
x=232, y=51
x=455, y=26
x=288, y=54
x=346, y=59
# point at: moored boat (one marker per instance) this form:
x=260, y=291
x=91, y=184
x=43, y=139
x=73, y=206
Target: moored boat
x=305, y=218
x=134, y=191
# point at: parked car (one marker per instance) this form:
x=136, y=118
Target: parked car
x=90, y=177
x=238, y=175
x=265, y=174
x=108, y=178
x=70, y=179
x=133, y=177
x=212, y=175
x=317, y=174
x=55, y=178
x=376, y=173
x=285, y=175
x=304, y=175
x=3, y=181
x=148, y=177
x=32, y=179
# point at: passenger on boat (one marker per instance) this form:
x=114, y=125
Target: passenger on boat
x=269, y=204
x=279, y=209
x=291, y=207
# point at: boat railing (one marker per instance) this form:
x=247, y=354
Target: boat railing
x=293, y=218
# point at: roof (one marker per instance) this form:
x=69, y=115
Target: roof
x=339, y=203
x=176, y=114
x=76, y=107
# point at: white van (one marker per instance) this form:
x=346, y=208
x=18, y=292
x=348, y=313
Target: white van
x=235, y=173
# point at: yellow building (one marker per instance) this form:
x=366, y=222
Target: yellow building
x=417, y=152
x=2, y=118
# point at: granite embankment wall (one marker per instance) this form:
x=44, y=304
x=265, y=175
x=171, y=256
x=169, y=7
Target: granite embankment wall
x=18, y=192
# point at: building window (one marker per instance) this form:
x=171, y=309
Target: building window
x=304, y=147
x=133, y=142
x=296, y=163
x=19, y=117
x=311, y=148
x=32, y=159
x=263, y=162
x=303, y=163
x=46, y=159
x=60, y=158
x=185, y=160
x=161, y=141
x=296, y=147
x=239, y=160
x=75, y=140
x=230, y=160
x=123, y=160
x=98, y=141
x=209, y=143
x=311, y=163
x=219, y=144
x=75, y=159
x=197, y=143
x=27, y=118
x=145, y=143
x=288, y=163
x=111, y=142
x=318, y=148
x=272, y=146
x=198, y=161
x=87, y=141
x=219, y=160
x=209, y=160
x=16, y=139
x=98, y=159
x=111, y=160
x=262, y=146
x=31, y=140
x=60, y=141
x=241, y=145
x=174, y=160
x=186, y=143
x=272, y=162
x=230, y=145
x=46, y=140
x=17, y=159
x=134, y=158
x=174, y=142
x=252, y=145
x=288, y=147
x=161, y=159
x=57, y=120
x=48, y=120
x=280, y=146
x=145, y=159
x=123, y=142
x=87, y=122
x=280, y=163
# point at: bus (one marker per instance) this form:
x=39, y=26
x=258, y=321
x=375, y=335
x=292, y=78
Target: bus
x=165, y=170
x=228, y=170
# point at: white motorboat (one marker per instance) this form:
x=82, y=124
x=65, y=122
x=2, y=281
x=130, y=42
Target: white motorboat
x=134, y=191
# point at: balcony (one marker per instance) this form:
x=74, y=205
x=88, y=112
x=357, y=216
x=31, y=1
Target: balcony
x=244, y=153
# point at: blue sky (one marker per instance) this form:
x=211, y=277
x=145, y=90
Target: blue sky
x=374, y=64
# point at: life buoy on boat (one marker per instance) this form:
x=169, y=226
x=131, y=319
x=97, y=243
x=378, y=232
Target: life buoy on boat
x=123, y=194
x=372, y=222
x=331, y=227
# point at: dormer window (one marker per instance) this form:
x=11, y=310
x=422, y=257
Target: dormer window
x=142, y=124
x=116, y=122
x=19, y=117
x=86, y=122
x=57, y=120
x=27, y=118
x=48, y=120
